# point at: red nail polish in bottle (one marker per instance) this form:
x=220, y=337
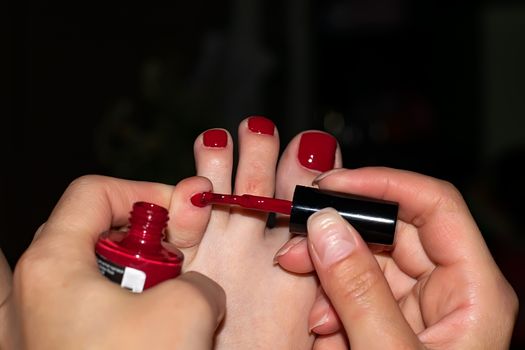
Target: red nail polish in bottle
x=139, y=258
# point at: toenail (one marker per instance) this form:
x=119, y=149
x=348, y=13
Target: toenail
x=317, y=150
x=215, y=138
x=261, y=125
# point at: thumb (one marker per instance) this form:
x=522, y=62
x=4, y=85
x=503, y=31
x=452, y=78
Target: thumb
x=355, y=285
x=187, y=310
x=206, y=299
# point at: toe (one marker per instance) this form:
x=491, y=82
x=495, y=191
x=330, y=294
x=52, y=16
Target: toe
x=307, y=155
x=213, y=151
x=258, y=152
x=255, y=175
x=188, y=222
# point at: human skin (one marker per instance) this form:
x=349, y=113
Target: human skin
x=235, y=248
x=8, y=331
x=63, y=302
x=439, y=288
x=266, y=307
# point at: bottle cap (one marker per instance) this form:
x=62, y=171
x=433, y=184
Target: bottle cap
x=374, y=219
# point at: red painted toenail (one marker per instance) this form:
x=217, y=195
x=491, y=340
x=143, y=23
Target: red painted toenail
x=261, y=125
x=317, y=151
x=215, y=138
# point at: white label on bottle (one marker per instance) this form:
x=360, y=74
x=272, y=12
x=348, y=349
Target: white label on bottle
x=127, y=277
x=133, y=280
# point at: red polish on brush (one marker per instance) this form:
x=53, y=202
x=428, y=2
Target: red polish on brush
x=374, y=219
x=246, y=201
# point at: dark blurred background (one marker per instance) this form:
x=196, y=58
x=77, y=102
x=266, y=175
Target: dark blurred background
x=122, y=90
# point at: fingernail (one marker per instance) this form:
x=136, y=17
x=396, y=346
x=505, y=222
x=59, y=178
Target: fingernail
x=261, y=125
x=327, y=173
x=319, y=323
x=217, y=138
x=286, y=248
x=330, y=237
x=319, y=314
x=317, y=150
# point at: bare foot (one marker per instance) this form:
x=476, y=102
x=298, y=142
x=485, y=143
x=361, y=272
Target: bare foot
x=267, y=308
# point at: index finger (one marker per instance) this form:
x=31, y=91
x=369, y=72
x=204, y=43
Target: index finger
x=91, y=205
x=446, y=228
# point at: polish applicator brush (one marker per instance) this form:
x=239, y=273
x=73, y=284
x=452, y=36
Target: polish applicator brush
x=374, y=219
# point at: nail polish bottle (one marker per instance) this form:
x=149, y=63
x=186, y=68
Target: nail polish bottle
x=139, y=257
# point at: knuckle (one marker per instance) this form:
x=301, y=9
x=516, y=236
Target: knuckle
x=87, y=181
x=94, y=185
x=450, y=196
x=256, y=182
x=31, y=270
x=254, y=186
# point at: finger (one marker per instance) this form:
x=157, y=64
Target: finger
x=200, y=300
x=213, y=294
x=430, y=204
x=38, y=231
x=6, y=279
x=323, y=319
x=294, y=256
x=89, y=206
x=9, y=332
x=188, y=222
x=336, y=341
x=355, y=285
